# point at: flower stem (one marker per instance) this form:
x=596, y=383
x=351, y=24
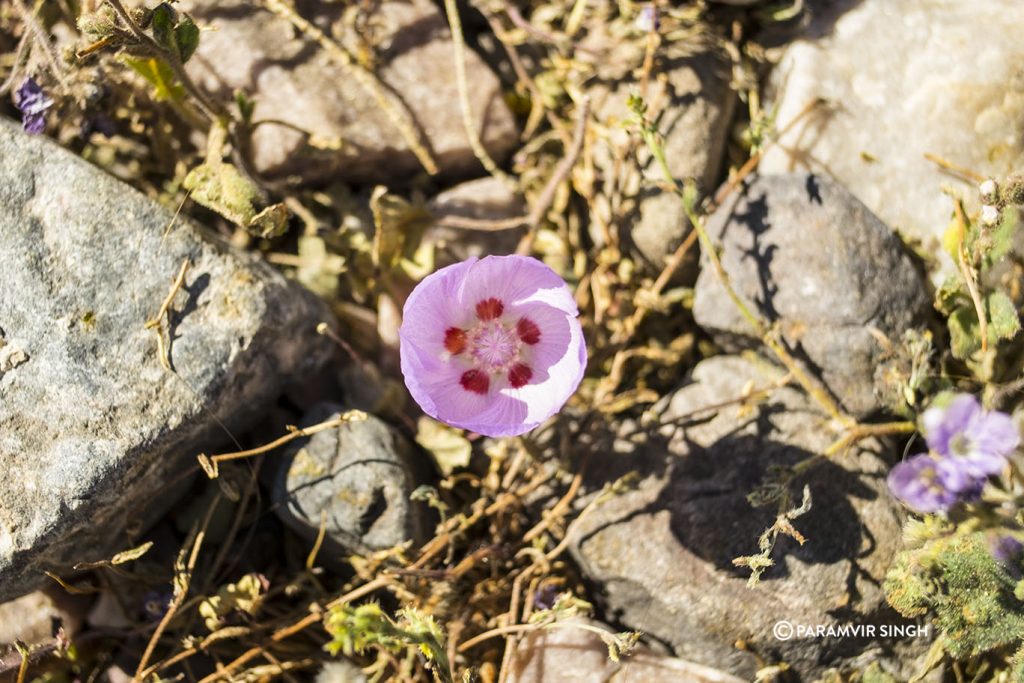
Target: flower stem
x=688, y=194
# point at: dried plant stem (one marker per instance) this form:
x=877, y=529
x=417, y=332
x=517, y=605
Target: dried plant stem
x=965, y=173
x=23, y=665
x=348, y=416
x=157, y=322
x=763, y=330
x=459, y=46
x=562, y=171
x=183, y=577
x=967, y=272
x=19, y=55
x=864, y=431
x=300, y=625
x=402, y=120
x=42, y=40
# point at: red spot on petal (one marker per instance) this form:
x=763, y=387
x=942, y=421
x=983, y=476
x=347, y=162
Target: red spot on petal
x=519, y=374
x=489, y=309
x=528, y=331
x=455, y=340
x=475, y=381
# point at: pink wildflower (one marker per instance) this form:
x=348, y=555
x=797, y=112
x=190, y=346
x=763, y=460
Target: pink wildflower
x=492, y=345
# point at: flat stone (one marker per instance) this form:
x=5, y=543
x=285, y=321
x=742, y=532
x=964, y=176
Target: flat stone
x=575, y=654
x=295, y=81
x=358, y=478
x=903, y=78
x=804, y=253
x=661, y=555
x=93, y=430
x=483, y=199
x=32, y=618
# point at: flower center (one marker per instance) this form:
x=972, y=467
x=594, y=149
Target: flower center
x=960, y=445
x=493, y=346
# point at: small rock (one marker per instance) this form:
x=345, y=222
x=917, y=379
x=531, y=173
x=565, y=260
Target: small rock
x=360, y=476
x=581, y=656
x=33, y=617
x=93, y=428
x=805, y=254
x=698, y=107
x=294, y=80
x=485, y=200
x=903, y=78
x=661, y=555
x=340, y=672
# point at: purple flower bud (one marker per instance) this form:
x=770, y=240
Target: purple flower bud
x=492, y=345
x=32, y=102
x=974, y=440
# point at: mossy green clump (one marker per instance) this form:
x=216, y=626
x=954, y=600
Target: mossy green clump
x=970, y=594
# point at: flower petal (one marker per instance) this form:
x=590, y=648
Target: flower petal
x=431, y=310
x=995, y=433
x=942, y=424
x=513, y=280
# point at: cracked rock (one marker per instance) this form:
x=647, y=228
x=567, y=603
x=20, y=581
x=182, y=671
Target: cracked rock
x=93, y=429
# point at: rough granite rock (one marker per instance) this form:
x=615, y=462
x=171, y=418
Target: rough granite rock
x=295, y=81
x=92, y=428
x=697, y=109
x=903, y=78
x=661, y=555
x=483, y=199
x=360, y=475
x=581, y=656
x=818, y=262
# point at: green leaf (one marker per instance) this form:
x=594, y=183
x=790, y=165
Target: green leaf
x=965, y=332
x=159, y=74
x=246, y=105
x=186, y=34
x=1002, y=235
x=951, y=294
x=1003, y=320
x=162, y=20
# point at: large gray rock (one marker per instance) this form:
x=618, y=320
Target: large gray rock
x=661, y=555
x=358, y=478
x=293, y=80
x=903, y=78
x=805, y=254
x=697, y=104
x=92, y=427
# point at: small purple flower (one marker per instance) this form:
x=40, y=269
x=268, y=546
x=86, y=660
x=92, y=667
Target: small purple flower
x=975, y=441
x=648, y=20
x=1007, y=550
x=918, y=484
x=32, y=102
x=492, y=345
